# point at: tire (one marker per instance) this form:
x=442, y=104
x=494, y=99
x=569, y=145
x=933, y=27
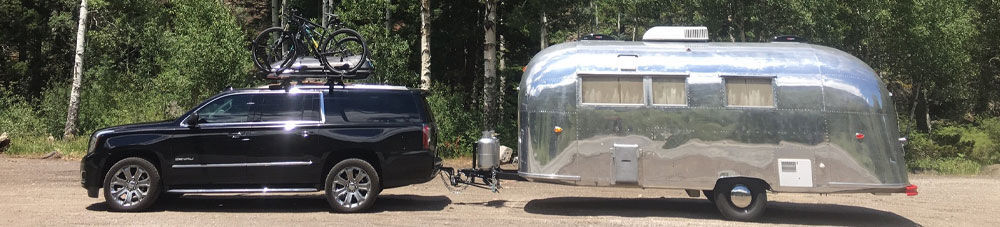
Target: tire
x=352, y=186
x=343, y=44
x=268, y=48
x=710, y=195
x=131, y=185
x=730, y=210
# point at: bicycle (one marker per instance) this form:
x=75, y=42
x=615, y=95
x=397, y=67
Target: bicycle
x=341, y=52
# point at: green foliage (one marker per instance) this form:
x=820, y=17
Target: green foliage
x=961, y=166
x=34, y=146
x=457, y=123
x=17, y=117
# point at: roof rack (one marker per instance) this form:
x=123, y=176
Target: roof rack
x=310, y=67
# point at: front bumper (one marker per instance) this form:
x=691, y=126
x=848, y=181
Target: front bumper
x=90, y=176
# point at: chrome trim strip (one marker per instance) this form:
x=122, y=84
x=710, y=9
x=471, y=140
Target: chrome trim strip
x=259, y=164
x=243, y=190
x=548, y=176
x=867, y=185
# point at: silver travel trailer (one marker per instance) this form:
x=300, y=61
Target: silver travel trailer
x=733, y=120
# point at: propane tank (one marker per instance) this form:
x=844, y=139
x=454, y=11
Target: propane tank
x=487, y=152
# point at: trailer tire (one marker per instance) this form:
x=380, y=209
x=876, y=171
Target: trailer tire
x=741, y=209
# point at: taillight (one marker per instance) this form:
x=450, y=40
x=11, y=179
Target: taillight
x=911, y=190
x=427, y=137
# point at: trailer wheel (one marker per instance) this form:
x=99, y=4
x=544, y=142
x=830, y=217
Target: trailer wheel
x=740, y=200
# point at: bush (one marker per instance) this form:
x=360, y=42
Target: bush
x=957, y=165
x=17, y=117
x=458, y=122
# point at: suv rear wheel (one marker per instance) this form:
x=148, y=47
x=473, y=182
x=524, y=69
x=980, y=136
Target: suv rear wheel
x=132, y=184
x=352, y=185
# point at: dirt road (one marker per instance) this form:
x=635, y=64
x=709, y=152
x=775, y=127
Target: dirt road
x=42, y=192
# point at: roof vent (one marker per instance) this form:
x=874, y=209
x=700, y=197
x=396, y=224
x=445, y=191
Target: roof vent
x=789, y=38
x=677, y=34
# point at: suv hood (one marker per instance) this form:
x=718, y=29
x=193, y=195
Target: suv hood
x=168, y=124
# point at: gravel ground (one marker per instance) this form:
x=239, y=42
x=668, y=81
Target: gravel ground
x=48, y=193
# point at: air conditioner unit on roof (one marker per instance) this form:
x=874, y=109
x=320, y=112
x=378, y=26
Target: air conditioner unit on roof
x=677, y=34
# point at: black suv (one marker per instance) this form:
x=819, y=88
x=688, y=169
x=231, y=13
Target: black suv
x=351, y=141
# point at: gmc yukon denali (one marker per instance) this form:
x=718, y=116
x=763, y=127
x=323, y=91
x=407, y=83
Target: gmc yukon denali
x=351, y=142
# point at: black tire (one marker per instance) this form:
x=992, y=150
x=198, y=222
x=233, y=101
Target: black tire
x=131, y=185
x=268, y=49
x=710, y=195
x=729, y=210
x=344, y=45
x=348, y=194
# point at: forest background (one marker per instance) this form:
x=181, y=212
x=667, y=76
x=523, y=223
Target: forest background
x=150, y=60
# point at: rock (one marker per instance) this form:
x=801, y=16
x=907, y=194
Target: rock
x=52, y=155
x=991, y=170
x=505, y=154
x=4, y=142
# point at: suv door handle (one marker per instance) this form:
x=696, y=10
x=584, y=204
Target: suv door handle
x=236, y=135
x=305, y=133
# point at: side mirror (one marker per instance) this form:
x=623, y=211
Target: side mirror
x=192, y=120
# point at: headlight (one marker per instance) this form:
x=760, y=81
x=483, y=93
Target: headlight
x=94, y=138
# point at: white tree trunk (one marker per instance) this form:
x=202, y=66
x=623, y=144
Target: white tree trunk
x=489, y=63
x=544, y=32
x=425, y=44
x=74, y=95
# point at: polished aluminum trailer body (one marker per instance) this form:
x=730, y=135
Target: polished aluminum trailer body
x=831, y=127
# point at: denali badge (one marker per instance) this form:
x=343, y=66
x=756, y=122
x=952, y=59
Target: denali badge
x=183, y=159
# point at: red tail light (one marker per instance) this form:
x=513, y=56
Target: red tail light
x=427, y=137
x=911, y=190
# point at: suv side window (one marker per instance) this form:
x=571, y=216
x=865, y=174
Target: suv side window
x=376, y=107
x=286, y=107
x=229, y=109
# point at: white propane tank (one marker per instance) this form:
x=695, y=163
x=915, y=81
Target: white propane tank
x=487, y=152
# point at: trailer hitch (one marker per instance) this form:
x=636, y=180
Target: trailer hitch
x=489, y=179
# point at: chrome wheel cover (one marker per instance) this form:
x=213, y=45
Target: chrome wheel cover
x=129, y=186
x=351, y=187
x=740, y=196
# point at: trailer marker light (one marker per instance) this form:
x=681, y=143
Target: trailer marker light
x=911, y=190
x=859, y=135
x=557, y=129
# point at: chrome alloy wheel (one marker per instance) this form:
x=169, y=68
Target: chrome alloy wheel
x=351, y=187
x=130, y=185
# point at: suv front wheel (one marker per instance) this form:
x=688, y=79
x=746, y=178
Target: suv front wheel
x=132, y=184
x=352, y=185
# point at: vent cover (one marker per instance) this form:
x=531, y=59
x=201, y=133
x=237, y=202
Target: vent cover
x=676, y=34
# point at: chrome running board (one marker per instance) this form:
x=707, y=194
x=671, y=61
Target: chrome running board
x=243, y=190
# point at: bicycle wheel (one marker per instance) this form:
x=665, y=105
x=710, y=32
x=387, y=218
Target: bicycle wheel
x=344, y=51
x=272, y=50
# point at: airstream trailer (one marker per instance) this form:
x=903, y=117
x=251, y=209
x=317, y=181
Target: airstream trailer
x=733, y=120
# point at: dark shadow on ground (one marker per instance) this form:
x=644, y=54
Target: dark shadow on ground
x=285, y=203
x=776, y=213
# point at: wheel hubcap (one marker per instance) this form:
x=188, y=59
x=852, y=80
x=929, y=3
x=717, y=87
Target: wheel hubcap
x=129, y=185
x=740, y=196
x=351, y=187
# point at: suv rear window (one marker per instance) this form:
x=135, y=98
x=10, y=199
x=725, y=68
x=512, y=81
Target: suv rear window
x=287, y=107
x=372, y=107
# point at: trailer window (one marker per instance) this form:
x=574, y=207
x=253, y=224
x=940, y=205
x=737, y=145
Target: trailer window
x=750, y=92
x=669, y=91
x=612, y=90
